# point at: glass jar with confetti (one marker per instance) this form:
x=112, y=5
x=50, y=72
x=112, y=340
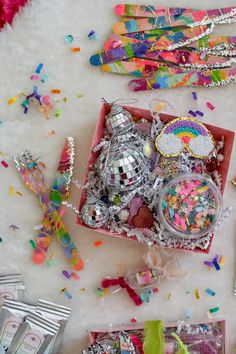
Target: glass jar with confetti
x=190, y=205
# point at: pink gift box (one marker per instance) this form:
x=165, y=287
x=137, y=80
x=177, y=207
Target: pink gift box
x=142, y=113
x=137, y=326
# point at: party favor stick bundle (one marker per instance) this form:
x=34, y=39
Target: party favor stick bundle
x=32, y=175
x=169, y=47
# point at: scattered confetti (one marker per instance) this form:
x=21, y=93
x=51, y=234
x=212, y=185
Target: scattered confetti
x=196, y=293
x=214, y=309
x=188, y=313
x=11, y=100
x=68, y=295
x=64, y=99
x=62, y=212
x=44, y=78
x=216, y=265
x=93, y=35
x=11, y=191
x=34, y=77
x=98, y=243
x=79, y=95
x=133, y=320
x=82, y=289
x=57, y=112
x=75, y=50
x=192, y=113
x=51, y=133
x=101, y=292
x=222, y=261
x=42, y=164
x=55, y=91
x=1, y=239
x=39, y=68
x=210, y=106
x=201, y=114
x=194, y=94
x=210, y=292
x=4, y=163
x=19, y=193
x=75, y=276
x=33, y=244
x=66, y=274
x=69, y=38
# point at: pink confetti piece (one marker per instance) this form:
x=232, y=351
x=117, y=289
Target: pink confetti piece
x=62, y=212
x=133, y=320
x=4, y=163
x=34, y=77
x=75, y=276
x=210, y=106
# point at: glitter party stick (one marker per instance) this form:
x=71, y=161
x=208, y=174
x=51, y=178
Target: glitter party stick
x=59, y=192
x=169, y=42
x=140, y=67
x=208, y=78
x=181, y=17
x=189, y=58
x=32, y=176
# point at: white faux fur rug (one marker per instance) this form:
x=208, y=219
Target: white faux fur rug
x=38, y=36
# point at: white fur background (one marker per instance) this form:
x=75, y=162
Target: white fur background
x=38, y=36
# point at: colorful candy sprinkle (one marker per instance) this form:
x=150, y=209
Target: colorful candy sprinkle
x=189, y=206
x=199, y=113
x=192, y=113
x=75, y=50
x=4, y=163
x=210, y=292
x=93, y=35
x=194, y=94
x=75, y=276
x=33, y=244
x=214, y=309
x=196, y=293
x=11, y=100
x=66, y=274
x=55, y=91
x=98, y=243
x=210, y=106
x=69, y=38
x=39, y=68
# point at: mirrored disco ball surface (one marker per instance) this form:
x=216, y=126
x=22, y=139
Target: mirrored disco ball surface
x=119, y=121
x=94, y=213
x=123, y=167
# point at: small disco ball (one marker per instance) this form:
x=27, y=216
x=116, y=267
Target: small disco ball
x=119, y=121
x=94, y=213
x=122, y=167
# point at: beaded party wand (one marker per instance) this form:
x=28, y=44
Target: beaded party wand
x=32, y=176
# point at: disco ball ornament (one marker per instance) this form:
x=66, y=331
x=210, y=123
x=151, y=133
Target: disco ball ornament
x=122, y=167
x=94, y=212
x=119, y=121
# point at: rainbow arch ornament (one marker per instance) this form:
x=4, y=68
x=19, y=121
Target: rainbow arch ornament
x=185, y=133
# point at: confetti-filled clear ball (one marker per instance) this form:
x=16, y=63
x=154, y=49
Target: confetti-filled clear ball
x=122, y=167
x=94, y=213
x=123, y=215
x=119, y=121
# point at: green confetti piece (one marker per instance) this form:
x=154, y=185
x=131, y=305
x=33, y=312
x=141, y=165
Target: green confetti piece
x=57, y=113
x=33, y=244
x=214, y=309
x=69, y=38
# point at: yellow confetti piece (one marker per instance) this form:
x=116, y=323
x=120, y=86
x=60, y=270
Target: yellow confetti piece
x=12, y=100
x=63, y=290
x=64, y=99
x=222, y=261
x=11, y=191
x=82, y=289
x=19, y=193
x=160, y=106
x=196, y=293
x=79, y=95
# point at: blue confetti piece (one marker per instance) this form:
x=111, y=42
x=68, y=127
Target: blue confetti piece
x=194, y=94
x=39, y=68
x=188, y=313
x=216, y=265
x=192, y=113
x=44, y=78
x=68, y=295
x=210, y=292
x=201, y=114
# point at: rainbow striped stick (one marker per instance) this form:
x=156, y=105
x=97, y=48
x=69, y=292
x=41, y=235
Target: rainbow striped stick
x=140, y=67
x=161, y=80
x=169, y=42
x=165, y=17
